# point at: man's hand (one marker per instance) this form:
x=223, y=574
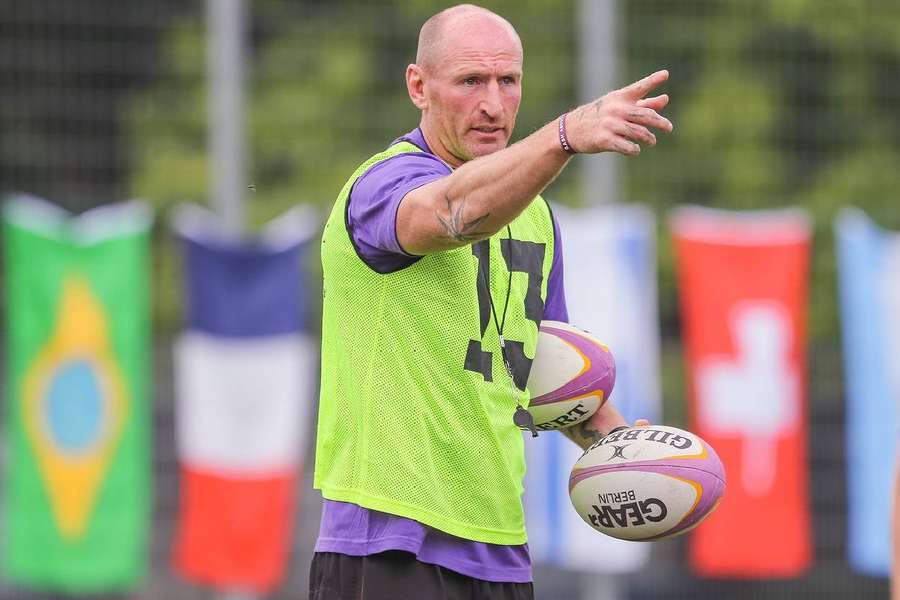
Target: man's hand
x=621, y=120
x=599, y=425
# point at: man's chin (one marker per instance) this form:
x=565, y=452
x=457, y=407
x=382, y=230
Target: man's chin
x=483, y=149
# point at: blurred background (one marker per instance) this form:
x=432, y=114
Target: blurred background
x=776, y=103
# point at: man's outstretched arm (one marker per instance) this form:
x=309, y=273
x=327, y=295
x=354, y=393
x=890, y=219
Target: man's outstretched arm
x=483, y=195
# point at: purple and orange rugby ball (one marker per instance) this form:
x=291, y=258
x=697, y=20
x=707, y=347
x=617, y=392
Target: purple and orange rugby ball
x=647, y=483
x=572, y=375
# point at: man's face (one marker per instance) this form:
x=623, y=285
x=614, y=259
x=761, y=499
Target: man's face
x=473, y=90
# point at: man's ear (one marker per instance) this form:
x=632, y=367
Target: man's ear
x=415, y=85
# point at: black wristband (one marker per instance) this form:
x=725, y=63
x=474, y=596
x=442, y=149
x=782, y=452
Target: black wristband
x=615, y=429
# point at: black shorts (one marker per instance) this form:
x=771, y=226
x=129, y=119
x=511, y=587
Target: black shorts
x=397, y=575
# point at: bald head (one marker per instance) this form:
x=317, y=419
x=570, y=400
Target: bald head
x=467, y=81
x=437, y=36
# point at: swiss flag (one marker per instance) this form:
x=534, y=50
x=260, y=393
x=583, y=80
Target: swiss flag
x=743, y=286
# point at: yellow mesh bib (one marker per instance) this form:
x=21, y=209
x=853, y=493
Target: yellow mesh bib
x=416, y=407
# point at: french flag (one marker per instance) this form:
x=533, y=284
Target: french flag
x=244, y=384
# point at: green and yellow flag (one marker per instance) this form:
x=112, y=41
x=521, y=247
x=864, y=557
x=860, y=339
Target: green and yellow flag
x=77, y=487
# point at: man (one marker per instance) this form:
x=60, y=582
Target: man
x=438, y=269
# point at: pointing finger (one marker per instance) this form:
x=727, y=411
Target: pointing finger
x=641, y=88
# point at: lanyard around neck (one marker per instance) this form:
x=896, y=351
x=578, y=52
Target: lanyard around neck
x=521, y=418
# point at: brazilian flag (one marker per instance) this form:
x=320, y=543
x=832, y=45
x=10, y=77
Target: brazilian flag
x=77, y=489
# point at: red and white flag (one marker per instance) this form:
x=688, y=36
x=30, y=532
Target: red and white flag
x=743, y=279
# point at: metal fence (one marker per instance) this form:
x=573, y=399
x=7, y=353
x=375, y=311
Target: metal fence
x=775, y=103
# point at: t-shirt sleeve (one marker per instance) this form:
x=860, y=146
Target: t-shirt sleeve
x=555, y=308
x=373, y=204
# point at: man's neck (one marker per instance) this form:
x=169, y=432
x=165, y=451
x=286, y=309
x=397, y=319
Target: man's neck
x=437, y=147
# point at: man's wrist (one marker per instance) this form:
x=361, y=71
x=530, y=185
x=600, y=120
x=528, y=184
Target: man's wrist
x=586, y=433
x=615, y=429
x=563, y=135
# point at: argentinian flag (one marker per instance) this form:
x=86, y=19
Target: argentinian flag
x=869, y=276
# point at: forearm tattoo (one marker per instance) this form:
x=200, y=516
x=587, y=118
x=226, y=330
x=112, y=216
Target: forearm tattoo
x=583, y=434
x=457, y=227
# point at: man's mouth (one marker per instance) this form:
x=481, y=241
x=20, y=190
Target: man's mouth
x=488, y=130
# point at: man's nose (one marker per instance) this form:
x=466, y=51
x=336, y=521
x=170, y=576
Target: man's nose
x=491, y=105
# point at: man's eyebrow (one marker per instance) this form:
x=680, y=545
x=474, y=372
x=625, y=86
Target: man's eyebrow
x=465, y=72
x=464, y=69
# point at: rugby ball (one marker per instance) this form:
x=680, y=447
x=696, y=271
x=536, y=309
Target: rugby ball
x=572, y=375
x=647, y=483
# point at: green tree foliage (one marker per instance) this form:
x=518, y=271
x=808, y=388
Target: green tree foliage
x=325, y=91
x=776, y=103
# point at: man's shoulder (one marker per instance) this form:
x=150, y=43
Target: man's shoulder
x=415, y=138
x=405, y=158
x=401, y=160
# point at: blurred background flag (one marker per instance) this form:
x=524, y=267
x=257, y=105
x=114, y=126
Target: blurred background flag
x=869, y=285
x=743, y=280
x=244, y=382
x=610, y=278
x=77, y=491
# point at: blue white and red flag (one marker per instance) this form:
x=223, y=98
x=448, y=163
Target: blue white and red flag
x=244, y=381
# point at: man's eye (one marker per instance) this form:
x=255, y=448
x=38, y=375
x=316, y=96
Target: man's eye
x=470, y=81
x=508, y=80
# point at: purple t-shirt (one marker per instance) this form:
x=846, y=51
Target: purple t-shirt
x=351, y=529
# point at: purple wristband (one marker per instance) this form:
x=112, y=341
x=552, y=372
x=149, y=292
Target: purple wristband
x=563, y=139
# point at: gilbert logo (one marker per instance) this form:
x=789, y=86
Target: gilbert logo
x=649, y=434
x=571, y=417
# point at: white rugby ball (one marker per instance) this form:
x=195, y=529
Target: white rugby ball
x=572, y=375
x=647, y=483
